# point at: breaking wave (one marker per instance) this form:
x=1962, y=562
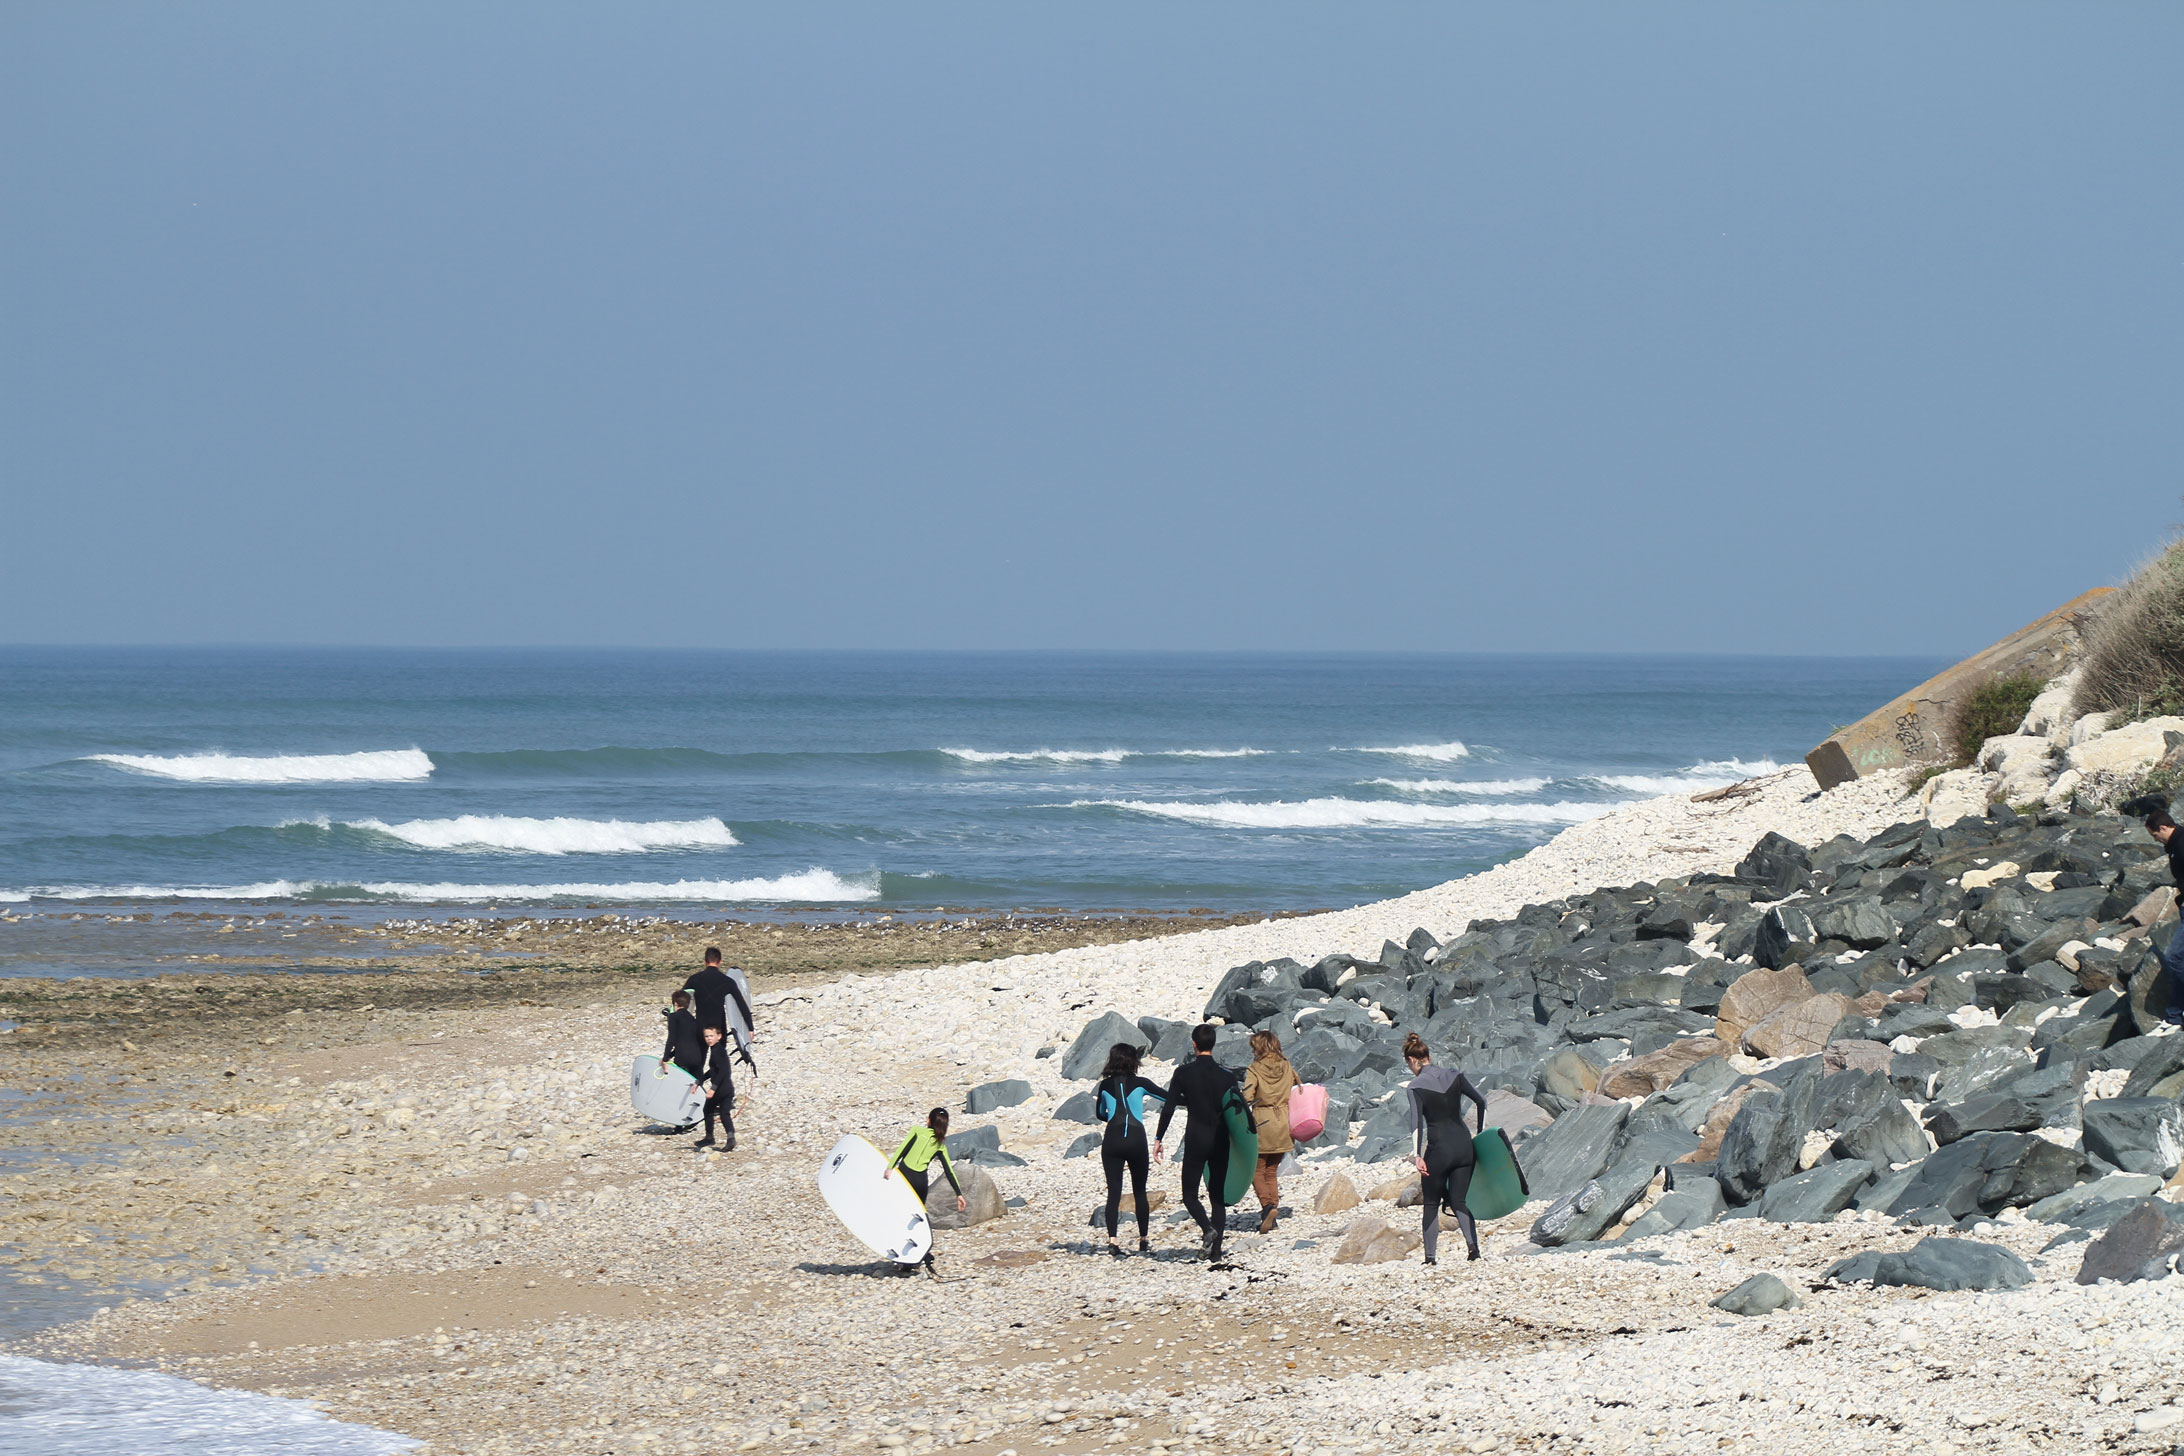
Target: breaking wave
x=90, y=1410
x=391, y=766
x=814, y=885
x=1716, y=773
x=553, y=836
x=1350, y=813
x=1462, y=786
x=1431, y=752
x=1095, y=755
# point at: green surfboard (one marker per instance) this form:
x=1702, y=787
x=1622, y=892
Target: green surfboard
x=1243, y=1148
x=1497, y=1183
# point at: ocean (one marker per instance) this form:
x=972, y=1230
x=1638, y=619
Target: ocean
x=150, y=781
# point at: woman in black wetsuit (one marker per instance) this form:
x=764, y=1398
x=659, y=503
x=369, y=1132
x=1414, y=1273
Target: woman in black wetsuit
x=1120, y=1102
x=1441, y=1143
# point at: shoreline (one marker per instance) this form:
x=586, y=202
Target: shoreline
x=499, y=1226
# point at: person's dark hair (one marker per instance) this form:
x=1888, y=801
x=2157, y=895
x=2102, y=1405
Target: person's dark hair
x=1122, y=1060
x=1202, y=1036
x=712, y=955
x=1414, y=1047
x=681, y=999
x=937, y=1119
x=2149, y=809
x=714, y=1027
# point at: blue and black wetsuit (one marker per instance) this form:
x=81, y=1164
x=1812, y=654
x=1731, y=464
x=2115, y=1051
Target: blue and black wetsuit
x=1120, y=1102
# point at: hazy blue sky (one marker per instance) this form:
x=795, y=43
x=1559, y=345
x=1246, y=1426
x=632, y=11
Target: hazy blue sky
x=1701, y=327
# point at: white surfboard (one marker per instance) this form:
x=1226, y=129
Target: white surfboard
x=884, y=1213
x=668, y=1096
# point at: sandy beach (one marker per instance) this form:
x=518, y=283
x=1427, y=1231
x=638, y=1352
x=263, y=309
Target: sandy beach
x=443, y=1220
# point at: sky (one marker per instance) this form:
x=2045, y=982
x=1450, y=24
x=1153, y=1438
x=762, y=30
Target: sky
x=1791, y=328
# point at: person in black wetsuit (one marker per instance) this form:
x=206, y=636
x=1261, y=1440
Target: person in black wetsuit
x=1120, y=1102
x=1441, y=1143
x=720, y=1102
x=1200, y=1086
x=685, y=1042
x=714, y=989
x=2154, y=813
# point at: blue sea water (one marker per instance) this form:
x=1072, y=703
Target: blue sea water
x=751, y=781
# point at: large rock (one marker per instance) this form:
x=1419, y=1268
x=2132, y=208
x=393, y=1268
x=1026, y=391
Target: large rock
x=1757, y=995
x=1862, y=923
x=980, y=1193
x=1514, y=1114
x=1784, y=936
x=1797, y=1031
x=2136, y=1134
x=990, y=1096
x=1988, y=1112
x=1936, y=1263
x=1987, y=1172
x=1765, y=1142
x=1372, y=1241
x=2066, y=1205
x=1657, y=1071
x=1588, y=1212
x=1337, y=1195
x=1758, y=1295
x=1781, y=866
x=1884, y=1136
x=1077, y=1107
x=1087, y=1055
x=1817, y=1195
x=2163, y=1060
x=2143, y=1244
x=1718, y=1119
x=2131, y=749
x=1570, y=1074
x=1692, y=1203
x=1573, y=1151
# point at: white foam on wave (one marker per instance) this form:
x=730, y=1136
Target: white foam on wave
x=554, y=836
x=1349, y=813
x=1096, y=755
x=389, y=766
x=814, y=884
x=1462, y=786
x=1431, y=752
x=1715, y=773
x=89, y=1410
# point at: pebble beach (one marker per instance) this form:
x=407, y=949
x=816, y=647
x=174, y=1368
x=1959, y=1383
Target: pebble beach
x=454, y=1230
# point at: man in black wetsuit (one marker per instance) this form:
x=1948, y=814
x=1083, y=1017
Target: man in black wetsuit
x=2154, y=812
x=1200, y=1086
x=714, y=989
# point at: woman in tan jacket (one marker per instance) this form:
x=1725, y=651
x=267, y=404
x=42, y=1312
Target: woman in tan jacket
x=1266, y=1087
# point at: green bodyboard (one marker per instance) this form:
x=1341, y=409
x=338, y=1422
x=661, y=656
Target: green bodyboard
x=1497, y=1184
x=1243, y=1149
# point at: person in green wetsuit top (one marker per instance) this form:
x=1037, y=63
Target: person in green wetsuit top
x=915, y=1158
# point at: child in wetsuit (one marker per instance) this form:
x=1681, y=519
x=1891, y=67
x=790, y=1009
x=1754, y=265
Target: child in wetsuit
x=915, y=1158
x=720, y=1102
x=1120, y=1102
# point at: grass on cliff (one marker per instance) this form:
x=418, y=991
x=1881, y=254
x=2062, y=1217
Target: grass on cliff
x=1997, y=706
x=2134, y=658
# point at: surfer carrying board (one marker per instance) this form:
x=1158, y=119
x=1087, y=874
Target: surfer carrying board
x=685, y=1043
x=915, y=1158
x=722, y=998
x=1202, y=1087
x=1441, y=1144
